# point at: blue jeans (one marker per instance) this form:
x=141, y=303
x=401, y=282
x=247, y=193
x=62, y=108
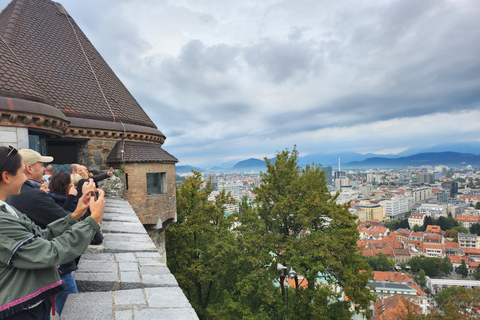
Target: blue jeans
x=70, y=287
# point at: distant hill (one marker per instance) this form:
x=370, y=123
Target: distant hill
x=452, y=159
x=250, y=164
x=187, y=169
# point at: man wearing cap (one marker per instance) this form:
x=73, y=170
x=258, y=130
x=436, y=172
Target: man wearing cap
x=32, y=201
x=40, y=207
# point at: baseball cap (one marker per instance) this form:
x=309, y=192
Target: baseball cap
x=30, y=157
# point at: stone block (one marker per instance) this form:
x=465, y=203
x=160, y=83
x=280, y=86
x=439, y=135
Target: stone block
x=94, y=282
x=98, y=256
x=144, y=262
x=166, y=314
x=128, y=266
x=126, y=299
x=98, y=266
x=159, y=280
x=166, y=298
x=154, y=270
x=123, y=315
x=125, y=257
x=92, y=305
x=130, y=280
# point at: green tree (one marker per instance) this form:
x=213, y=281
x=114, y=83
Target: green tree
x=446, y=266
x=431, y=265
x=417, y=228
x=476, y=273
x=460, y=229
x=462, y=269
x=382, y=263
x=202, y=251
x=477, y=205
x=475, y=228
x=457, y=303
x=415, y=263
x=421, y=279
x=297, y=223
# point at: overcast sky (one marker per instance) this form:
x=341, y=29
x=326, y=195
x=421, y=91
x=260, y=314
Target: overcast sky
x=234, y=79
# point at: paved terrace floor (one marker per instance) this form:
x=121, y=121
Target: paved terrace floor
x=124, y=277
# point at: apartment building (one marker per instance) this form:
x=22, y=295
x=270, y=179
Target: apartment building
x=467, y=240
x=416, y=219
x=467, y=221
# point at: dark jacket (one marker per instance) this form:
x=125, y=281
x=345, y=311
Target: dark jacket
x=41, y=209
x=37, y=205
x=68, y=203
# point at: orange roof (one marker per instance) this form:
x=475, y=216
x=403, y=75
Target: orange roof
x=433, y=229
x=458, y=259
x=450, y=244
x=417, y=216
x=417, y=234
x=471, y=251
x=393, y=306
x=467, y=218
x=391, y=276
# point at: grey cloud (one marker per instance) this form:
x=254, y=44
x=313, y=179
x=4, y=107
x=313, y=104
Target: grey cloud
x=282, y=61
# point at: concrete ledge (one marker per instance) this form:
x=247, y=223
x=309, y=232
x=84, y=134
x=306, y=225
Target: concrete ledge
x=124, y=278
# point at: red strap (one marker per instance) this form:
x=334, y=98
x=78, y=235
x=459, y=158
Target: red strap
x=53, y=305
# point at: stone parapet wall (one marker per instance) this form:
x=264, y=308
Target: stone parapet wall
x=126, y=276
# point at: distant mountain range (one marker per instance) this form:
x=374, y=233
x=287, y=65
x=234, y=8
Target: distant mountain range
x=458, y=155
x=451, y=159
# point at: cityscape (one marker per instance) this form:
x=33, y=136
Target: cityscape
x=426, y=212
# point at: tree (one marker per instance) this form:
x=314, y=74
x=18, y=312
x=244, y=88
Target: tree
x=415, y=263
x=417, y=228
x=202, y=251
x=476, y=273
x=462, y=269
x=382, y=263
x=297, y=223
x=477, y=205
x=421, y=279
x=446, y=266
x=461, y=229
x=475, y=228
x=458, y=303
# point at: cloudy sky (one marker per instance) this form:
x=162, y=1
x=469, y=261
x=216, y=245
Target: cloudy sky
x=230, y=79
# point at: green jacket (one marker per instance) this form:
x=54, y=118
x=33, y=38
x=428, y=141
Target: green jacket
x=29, y=256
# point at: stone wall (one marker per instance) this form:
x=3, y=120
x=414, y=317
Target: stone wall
x=98, y=150
x=150, y=208
x=15, y=136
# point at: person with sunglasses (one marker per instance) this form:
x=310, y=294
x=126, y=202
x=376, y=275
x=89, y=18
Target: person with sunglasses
x=29, y=254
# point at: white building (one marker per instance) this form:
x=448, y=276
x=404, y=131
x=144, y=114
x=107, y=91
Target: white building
x=416, y=219
x=433, y=210
x=396, y=207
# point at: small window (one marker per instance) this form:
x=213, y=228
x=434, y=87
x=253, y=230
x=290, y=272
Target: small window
x=157, y=183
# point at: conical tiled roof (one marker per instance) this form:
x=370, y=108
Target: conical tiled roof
x=15, y=81
x=49, y=44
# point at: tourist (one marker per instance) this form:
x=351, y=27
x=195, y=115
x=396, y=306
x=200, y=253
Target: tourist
x=29, y=254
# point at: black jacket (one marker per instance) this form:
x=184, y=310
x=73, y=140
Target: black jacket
x=40, y=207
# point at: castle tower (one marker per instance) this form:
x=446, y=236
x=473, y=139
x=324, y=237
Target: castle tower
x=60, y=97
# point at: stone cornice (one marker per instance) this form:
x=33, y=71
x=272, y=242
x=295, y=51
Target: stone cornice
x=49, y=124
x=89, y=133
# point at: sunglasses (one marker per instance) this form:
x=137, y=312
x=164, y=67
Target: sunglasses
x=12, y=150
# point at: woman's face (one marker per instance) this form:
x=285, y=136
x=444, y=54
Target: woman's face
x=17, y=180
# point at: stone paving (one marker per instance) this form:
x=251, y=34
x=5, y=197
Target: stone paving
x=124, y=278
